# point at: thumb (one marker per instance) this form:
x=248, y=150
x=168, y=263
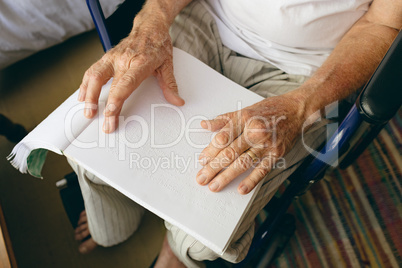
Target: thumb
x=167, y=82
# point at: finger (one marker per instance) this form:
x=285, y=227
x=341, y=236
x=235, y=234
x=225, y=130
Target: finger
x=224, y=158
x=217, y=123
x=258, y=174
x=83, y=88
x=167, y=82
x=239, y=166
x=222, y=139
x=110, y=123
x=97, y=76
x=120, y=91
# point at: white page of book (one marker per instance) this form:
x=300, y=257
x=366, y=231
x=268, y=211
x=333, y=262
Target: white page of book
x=56, y=132
x=51, y=134
x=152, y=157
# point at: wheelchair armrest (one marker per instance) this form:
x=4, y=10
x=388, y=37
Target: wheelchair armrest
x=378, y=102
x=382, y=95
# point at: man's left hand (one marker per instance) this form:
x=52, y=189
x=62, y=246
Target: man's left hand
x=256, y=136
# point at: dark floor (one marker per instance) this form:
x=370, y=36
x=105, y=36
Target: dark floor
x=39, y=229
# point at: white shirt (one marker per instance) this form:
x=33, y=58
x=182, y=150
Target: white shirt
x=294, y=35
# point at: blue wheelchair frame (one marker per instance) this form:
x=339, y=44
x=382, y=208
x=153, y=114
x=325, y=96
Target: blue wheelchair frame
x=377, y=103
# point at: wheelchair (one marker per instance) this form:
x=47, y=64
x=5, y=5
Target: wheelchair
x=376, y=104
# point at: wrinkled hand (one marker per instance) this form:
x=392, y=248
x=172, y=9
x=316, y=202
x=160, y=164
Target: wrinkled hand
x=257, y=136
x=146, y=51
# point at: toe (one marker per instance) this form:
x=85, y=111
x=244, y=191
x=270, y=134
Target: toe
x=87, y=246
x=82, y=235
x=82, y=232
x=81, y=228
x=82, y=219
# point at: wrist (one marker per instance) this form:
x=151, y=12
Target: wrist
x=162, y=11
x=154, y=19
x=308, y=102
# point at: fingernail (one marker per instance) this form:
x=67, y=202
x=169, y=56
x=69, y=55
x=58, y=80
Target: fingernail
x=214, y=186
x=244, y=189
x=88, y=112
x=89, y=109
x=107, y=125
x=201, y=178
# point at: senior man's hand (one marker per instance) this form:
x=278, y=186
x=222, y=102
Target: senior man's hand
x=146, y=51
x=257, y=136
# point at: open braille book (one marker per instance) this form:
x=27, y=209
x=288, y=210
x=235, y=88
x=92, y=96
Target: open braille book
x=152, y=157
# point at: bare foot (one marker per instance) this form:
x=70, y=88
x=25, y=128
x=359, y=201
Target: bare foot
x=82, y=234
x=167, y=258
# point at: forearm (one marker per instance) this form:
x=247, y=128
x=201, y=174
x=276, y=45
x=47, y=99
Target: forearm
x=349, y=66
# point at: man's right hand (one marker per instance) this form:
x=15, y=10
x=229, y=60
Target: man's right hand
x=146, y=51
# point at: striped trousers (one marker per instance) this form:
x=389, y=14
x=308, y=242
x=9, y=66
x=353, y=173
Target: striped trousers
x=112, y=217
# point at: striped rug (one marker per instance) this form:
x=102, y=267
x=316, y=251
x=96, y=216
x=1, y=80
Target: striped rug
x=353, y=217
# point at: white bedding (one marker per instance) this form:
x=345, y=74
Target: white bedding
x=27, y=26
